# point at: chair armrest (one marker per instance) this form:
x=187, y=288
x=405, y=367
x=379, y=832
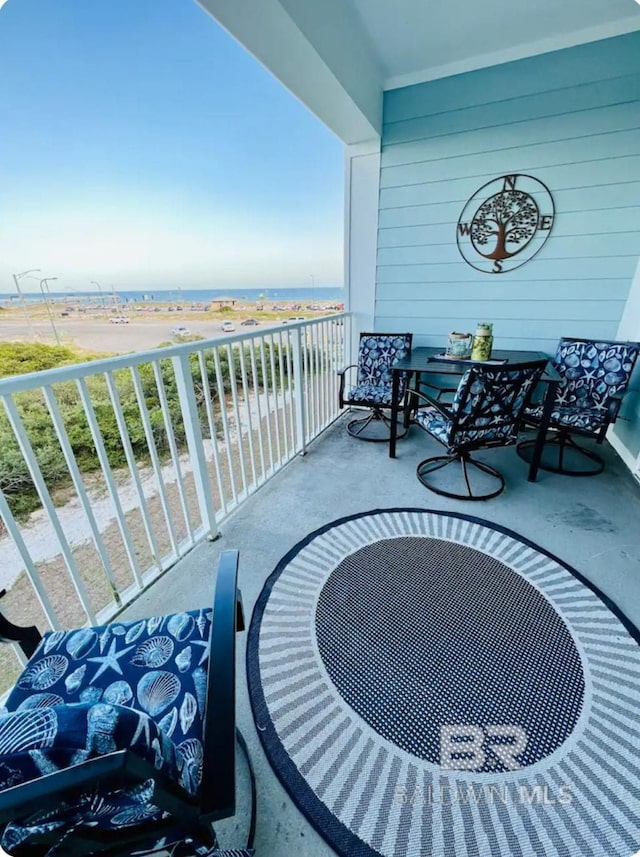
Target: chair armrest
x=240, y=620
x=27, y=638
x=218, y=792
x=342, y=371
x=113, y=770
x=439, y=406
x=438, y=391
x=411, y=405
x=613, y=408
x=342, y=375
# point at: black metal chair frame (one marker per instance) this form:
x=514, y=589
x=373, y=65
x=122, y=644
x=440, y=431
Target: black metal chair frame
x=562, y=435
x=357, y=427
x=463, y=452
x=27, y=638
x=124, y=769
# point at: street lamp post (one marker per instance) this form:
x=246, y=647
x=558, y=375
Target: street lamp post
x=16, y=280
x=44, y=283
x=96, y=283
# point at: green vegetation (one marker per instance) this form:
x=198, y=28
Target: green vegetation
x=180, y=338
x=16, y=358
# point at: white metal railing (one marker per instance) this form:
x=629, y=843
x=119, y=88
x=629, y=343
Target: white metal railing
x=134, y=459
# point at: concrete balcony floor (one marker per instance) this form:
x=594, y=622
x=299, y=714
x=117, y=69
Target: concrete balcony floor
x=592, y=524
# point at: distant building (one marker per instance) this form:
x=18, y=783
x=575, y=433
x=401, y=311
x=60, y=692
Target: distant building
x=219, y=302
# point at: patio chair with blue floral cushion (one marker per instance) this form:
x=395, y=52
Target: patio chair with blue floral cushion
x=595, y=375
x=377, y=353
x=120, y=739
x=485, y=412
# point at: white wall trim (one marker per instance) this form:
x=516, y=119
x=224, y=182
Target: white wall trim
x=370, y=147
x=629, y=327
x=517, y=52
x=361, y=190
x=346, y=261
x=623, y=452
x=629, y=330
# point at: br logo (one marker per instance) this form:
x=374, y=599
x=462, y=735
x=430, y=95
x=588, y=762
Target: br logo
x=505, y=223
x=472, y=748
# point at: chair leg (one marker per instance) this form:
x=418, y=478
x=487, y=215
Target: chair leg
x=561, y=448
x=466, y=476
x=438, y=462
x=387, y=421
x=357, y=428
x=562, y=443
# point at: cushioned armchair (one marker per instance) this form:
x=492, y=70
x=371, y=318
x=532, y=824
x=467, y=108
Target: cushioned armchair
x=121, y=739
x=377, y=353
x=485, y=412
x=595, y=376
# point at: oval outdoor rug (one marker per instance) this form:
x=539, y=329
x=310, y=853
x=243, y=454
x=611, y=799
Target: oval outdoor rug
x=430, y=684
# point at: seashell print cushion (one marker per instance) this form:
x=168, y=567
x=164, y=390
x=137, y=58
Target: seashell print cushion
x=35, y=741
x=139, y=685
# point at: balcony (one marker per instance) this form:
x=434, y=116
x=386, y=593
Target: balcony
x=590, y=524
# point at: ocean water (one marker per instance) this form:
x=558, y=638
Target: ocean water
x=321, y=295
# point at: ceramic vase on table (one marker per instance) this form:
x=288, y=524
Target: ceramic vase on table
x=459, y=345
x=482, y=342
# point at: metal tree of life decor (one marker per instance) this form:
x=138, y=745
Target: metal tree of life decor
x=505, y=223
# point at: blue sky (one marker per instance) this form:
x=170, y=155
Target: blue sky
x=141, y=146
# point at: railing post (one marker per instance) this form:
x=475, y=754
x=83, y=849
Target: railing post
x=350, y=342
x=298, y=391
x=195, y=444
x=29, y=565
x=45, y=498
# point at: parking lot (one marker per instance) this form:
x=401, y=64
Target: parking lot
x=90, y=334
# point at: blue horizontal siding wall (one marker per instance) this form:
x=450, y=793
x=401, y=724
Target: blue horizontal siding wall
x=569, y=118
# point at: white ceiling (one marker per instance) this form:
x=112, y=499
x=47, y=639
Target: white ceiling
x=417, y=40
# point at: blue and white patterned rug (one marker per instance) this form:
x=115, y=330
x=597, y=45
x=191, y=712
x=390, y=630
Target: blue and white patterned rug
x=431, y=684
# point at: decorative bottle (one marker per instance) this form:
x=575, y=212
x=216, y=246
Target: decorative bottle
x=482, y=342
x=459, y=345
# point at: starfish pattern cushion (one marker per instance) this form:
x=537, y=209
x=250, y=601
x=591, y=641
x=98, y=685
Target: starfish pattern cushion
x=592, y=373
x=132, y=685
x=376, y=355
x=486, y=408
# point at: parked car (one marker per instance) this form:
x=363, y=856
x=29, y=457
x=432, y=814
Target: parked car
x=227, y=327
x=249, y=322
x=180, y=331
x=119, y=319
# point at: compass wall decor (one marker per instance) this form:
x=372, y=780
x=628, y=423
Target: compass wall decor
x=505, y=223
